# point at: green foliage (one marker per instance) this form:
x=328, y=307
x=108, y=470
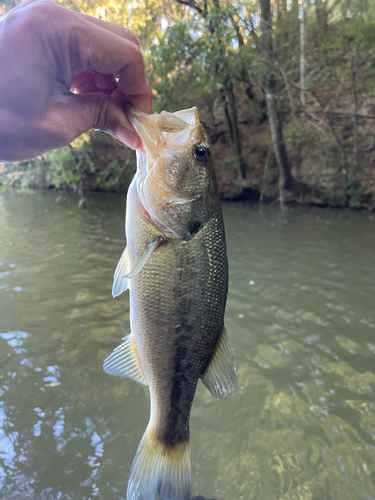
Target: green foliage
x=197, y=55
x=70, y=164
x=93, y=161
x=355, y=191
x=368, y=31
x=193, y=54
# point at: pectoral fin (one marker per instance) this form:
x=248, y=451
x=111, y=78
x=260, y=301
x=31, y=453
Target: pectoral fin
x=123, y=362
x=124, y=273
x=220, y=376
x=120, y=282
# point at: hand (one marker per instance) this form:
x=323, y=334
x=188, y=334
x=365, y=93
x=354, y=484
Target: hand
x=47, y=52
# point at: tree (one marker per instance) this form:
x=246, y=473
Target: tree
x=217, y=20
x=286, y=178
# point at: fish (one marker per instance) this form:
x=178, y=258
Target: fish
x=175, y=268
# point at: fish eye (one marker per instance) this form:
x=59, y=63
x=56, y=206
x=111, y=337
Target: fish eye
x=201, y=152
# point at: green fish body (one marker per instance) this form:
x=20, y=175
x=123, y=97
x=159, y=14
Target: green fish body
x=175, y=265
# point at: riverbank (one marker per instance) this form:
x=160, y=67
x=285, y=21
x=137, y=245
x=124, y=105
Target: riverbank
x=96, y=162
x=320, y=151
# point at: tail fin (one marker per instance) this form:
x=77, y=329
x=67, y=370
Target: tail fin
x=162, y=469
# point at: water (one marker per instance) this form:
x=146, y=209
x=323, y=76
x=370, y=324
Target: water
x=300, y=318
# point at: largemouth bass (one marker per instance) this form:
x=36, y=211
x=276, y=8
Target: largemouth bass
x=175, y=266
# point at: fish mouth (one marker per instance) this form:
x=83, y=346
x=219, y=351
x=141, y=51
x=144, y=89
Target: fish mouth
x=163, y=131
x=166, y=137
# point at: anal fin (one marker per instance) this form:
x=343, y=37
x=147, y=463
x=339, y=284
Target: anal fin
x=123, y=362
x=220, y=376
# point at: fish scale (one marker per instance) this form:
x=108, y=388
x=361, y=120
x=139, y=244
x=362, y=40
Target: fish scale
x=193, y=299
x=175, y=266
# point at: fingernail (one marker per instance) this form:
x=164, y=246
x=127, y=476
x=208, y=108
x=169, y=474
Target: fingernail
x=129, y=138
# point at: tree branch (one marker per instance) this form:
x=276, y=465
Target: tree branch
x=191, y=4
x=329, y=11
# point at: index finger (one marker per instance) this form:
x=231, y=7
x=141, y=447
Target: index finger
x=98, y=49
x=114, y=28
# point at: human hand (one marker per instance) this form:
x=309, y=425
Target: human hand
x=47, y=51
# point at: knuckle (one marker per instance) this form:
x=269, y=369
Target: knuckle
x=42, y=11
x=137, y=59
x=137, y=52
x=101, y=114
x=132, y=37
x=29, y=19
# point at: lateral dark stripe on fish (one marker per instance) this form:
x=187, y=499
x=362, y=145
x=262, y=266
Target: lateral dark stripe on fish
x=176, y=268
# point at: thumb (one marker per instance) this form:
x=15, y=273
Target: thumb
x=83, y=112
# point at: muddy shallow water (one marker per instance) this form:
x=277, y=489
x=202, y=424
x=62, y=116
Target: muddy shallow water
x=300, y=318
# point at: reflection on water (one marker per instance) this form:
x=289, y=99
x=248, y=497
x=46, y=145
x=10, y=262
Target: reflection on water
x=301, y=321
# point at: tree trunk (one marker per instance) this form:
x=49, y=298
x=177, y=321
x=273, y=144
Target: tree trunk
x=345, y=7
x=353, y=72
x=286, y=178
x=321, y=16
x=228, y=100
x=302, y=56
x=293, y=23
x=294, y=8
x=82, y=199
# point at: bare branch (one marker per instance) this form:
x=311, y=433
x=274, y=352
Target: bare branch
x=287, y=85
x=329, y=11
x=315, y=125
x=345, y=115
x=254, y=33
x=335, y=97
x=191, y=4
x=333, y=131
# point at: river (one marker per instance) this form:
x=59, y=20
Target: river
x=300, y=318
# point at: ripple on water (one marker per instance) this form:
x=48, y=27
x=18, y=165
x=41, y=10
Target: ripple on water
x=300, y=320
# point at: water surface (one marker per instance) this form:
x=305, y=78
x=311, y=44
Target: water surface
x=300, y=318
